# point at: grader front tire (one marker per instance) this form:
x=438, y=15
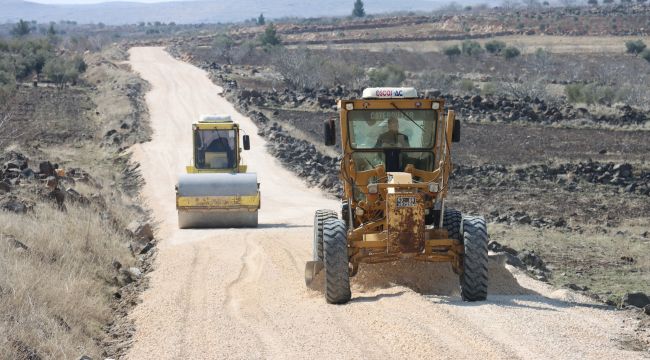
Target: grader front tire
x=320, y=217
x=337, y=270
x=474, y=280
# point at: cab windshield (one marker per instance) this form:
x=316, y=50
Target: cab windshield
x=381, y=129
x=215, y=149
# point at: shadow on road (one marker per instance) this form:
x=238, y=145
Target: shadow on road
x=376, y=297
x=439, y=284
x=281, y=226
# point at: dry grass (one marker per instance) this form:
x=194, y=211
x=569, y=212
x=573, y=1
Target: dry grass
x=55, y=294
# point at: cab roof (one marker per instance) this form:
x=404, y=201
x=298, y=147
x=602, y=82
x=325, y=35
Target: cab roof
x=215, y=119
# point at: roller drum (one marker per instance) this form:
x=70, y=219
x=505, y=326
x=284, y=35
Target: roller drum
x=227, y=189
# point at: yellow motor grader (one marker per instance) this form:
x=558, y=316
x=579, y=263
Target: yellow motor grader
x=395, y=170
x=216, y=190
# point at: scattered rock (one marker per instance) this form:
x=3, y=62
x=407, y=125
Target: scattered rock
x=140, y=247
x=135, y=272
x=577, y=287
x=15, y=205
x=19, y=246
x=637, y=299
x=46, y=169
x=646, y=309
x=532, y=260
x=140, y=230
x=75, y=196
x=116, y=265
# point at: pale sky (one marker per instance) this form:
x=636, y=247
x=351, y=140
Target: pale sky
x=95, y=1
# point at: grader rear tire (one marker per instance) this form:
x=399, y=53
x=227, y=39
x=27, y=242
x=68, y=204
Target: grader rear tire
x=319, y=219
x=451, y=222
x=337, y=270
x=474, y=280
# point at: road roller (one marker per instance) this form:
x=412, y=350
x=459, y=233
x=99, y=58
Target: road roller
x=216, y=191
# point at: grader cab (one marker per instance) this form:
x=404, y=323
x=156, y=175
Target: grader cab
x=395, y=170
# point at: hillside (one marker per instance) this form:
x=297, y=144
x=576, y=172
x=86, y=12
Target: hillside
x=195, y=11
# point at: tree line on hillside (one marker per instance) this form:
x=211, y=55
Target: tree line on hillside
x=25, y=58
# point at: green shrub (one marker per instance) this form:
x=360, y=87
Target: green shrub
x=645, y=55
x=511, y=52
x=21, y=28
x=61, y=72
x=223, y=46
x=270, y=36
x=467, y=85
x=635, y=46
x=488, y=89
x=451, y=51
x=389, y=75
x=471, y=48
x=592, y=93
x=495, y=46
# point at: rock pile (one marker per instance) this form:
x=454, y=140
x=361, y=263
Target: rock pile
x=299, y=155
x=49, y=181
x=526, y=260
x=621, y=175
x=472, y=108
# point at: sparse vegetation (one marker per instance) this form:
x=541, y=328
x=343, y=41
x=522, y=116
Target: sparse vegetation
x=389, y=75
x=270, y=36
x=452, y=52
x=645, y=55
x=304, y=69
x=511, y=52
x=635, y=46
x=592, y=93
x=495, y=46
x=471, y=48
x=21, y=28
x=223, y=46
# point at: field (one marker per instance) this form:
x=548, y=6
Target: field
x=525, y=175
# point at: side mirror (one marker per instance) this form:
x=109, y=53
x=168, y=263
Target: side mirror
x=330, y=132
x=247, y=142
x=455, y=136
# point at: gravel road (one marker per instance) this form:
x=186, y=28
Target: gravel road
x=240, y=294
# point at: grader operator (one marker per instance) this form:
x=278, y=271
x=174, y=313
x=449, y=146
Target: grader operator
x=395, y=170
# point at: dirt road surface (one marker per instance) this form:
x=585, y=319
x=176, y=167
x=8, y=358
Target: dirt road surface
x=240, y=294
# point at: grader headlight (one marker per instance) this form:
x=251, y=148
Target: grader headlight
x=358, y=211
x=433, y=187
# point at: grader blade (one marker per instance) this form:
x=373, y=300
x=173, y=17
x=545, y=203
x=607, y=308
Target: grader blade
x=312, y=268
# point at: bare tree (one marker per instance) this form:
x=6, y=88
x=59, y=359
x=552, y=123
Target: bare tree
x=7, y=131
x=568, y=3
x=532, y=4
x=509, y=4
